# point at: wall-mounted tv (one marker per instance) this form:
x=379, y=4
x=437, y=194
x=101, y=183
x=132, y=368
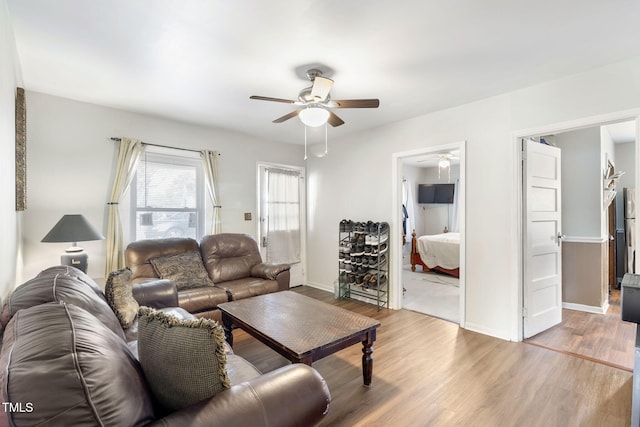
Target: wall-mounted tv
x=435, y=193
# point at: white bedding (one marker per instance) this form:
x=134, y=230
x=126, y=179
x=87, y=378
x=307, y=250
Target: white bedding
x=440, y=250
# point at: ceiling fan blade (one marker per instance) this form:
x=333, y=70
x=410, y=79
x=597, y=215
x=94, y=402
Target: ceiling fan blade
x=356, y=103
x=286, y=117
x=321, y=88
x=334, y=120
x=266, y=98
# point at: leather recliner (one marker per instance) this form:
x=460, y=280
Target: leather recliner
x=232, y=260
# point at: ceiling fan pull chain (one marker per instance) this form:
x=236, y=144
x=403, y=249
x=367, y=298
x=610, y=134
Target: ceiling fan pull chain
x=305, y=142
x=326, y=145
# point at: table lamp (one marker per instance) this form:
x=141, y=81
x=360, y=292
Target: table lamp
x=73, y=228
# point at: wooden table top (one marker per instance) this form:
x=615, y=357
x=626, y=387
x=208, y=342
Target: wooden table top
x=299, y=323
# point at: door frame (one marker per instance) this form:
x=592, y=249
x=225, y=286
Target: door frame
x=303, y=210
x=517, y=297
x=395, y=298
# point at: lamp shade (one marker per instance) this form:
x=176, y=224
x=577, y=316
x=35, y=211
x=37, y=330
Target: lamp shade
x=72, y=228
x=314, y=116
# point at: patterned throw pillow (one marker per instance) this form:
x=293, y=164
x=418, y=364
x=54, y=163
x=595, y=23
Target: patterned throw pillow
x=120, y=297
x=186, y=270
x=183, y=360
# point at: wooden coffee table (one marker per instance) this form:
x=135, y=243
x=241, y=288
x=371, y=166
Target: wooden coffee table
x=300, y=328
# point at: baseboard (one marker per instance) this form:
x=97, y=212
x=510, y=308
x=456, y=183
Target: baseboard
x=320, y=286
x=503, y=335
x=586, y=308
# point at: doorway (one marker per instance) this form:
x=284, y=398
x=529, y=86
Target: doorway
x=281, y=212
x=576, y=236
x=401, y=231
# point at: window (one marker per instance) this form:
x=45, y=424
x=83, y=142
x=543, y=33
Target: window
x=167, y=197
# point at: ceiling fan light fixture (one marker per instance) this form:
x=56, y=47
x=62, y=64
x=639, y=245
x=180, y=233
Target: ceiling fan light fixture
x=314, y=116
x=444, y=163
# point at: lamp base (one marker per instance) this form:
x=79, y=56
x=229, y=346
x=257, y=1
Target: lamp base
x=78, y=259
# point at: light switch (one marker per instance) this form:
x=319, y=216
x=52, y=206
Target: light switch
x=247, y=216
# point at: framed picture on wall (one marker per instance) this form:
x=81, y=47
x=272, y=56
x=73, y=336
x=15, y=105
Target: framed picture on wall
x=21, y=150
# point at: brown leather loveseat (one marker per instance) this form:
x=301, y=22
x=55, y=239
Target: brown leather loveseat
x=231, y=261
x=66, y=361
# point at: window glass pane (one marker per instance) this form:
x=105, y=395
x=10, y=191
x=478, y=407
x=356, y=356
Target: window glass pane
x=159, y=225
x=165, y=185
x=167, y=198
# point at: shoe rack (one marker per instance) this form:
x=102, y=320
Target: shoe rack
x=363, y=271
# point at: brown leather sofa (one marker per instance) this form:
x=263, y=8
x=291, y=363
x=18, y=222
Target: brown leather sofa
x=232, y=261
x=65, y=360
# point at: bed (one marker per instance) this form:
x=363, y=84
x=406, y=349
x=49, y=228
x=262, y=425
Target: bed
x=436, y=252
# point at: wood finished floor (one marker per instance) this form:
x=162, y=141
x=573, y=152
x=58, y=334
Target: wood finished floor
x=603, y=338
x=429, y=372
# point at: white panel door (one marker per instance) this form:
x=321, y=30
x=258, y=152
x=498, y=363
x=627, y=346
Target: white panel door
x=542, y=238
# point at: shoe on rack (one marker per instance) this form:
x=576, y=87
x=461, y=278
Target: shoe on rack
x=376, y=239
x=384, y=228
x=375, y=261
x=383, y=248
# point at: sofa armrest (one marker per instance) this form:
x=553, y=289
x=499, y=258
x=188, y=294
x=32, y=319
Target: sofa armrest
x=294, y=395
x=156, y=293
x=268, y=271
x=278, y=272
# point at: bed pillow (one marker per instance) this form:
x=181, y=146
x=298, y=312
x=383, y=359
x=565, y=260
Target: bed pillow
x=186, y=270
x=120, y=297
x=184, y=361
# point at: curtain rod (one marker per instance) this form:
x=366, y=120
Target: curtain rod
x=113, y=138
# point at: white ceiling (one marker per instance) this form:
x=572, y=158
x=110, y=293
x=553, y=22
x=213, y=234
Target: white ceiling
x=199, y=61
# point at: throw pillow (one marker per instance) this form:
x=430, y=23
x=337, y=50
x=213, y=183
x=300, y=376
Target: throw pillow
x=120, y=297
x=185, y=269
x=184, y=361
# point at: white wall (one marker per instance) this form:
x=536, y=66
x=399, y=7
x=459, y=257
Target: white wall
x=492, y=206
x=70, y=169
x=625, y=161
x=435, y=217
x=581, y=182
x=10, y=77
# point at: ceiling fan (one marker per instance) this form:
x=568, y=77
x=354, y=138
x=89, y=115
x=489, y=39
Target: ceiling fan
x=315, y=102
x=444, y=159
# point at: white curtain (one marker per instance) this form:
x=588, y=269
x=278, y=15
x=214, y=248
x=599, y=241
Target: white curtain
x=455, y=226
x=283, y=215
x=129, y=152
x=210, y=162
x=407, y=201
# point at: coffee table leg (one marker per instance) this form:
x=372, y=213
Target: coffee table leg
x=227, y=324
x=367, y=358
